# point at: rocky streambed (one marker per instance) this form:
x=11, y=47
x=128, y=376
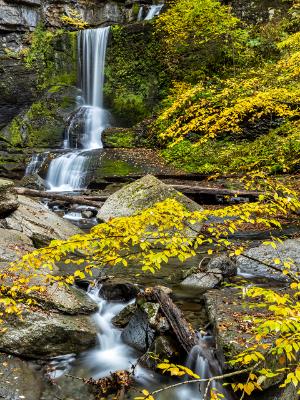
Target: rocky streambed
x=62, y=338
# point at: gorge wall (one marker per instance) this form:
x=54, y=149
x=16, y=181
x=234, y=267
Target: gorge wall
x=38, y=68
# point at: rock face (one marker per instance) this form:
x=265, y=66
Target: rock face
x=43, y=123
x=204, y=280
x=211, y=275
x=50, y=334
x=17, y=88
x=13, y=244
x=117, y=289
x=288, y=249
x=227, y=311
x=139, y=195
x=39, y=224
x=138, y=332
x=8, y=200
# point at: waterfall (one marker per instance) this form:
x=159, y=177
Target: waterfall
x=154, y=11
x=92, y=45
x=67, y=172
x=140, y=14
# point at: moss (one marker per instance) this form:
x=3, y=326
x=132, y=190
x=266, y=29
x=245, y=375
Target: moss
x=135, y=79
x=119, y=138
x=275, y=152
x=53, y=55
x=42, y=125
x=113, y=167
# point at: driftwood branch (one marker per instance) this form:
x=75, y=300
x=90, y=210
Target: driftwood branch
x=181, y=328
x=214, y=191
x=58, y=196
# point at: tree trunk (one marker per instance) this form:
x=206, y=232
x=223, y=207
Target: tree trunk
x=57, y=196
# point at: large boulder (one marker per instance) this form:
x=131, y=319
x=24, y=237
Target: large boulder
x=38, y=223
x=48, y=334
x=138, y=332
x=230, y=316
x=289, y=249
x=139, y=195
x=118, y=289
x=8, y=200
x=13, y=245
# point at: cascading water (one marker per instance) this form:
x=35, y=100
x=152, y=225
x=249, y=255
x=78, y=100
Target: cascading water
x=92, y=44
x=112, y=354
x=154, y=11
x=68, y=171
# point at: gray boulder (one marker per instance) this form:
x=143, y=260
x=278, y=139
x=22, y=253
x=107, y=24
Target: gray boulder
x=204, y=280
x=211, y=275
x=118, y=289
x=289, y=249
x=38, y=223
x=138, y=332
x=8, y=200
x=123, y=318
x=13, y=245
x=165, y=347
x=44, y=335
x=139, y=195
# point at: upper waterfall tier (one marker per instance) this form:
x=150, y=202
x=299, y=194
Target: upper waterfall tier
x=92, y=45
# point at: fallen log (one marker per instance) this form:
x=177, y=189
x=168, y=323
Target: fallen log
x=82, y=200
x=182, y=329
x=204, y=190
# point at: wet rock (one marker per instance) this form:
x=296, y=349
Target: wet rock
x=204, y=280
x=225, y=264
x=138, y=333
x=38, y=223
x=117, y=289
x=162, y=325
x=226, y=312
x=33, y=181
x=139, y=195
x=210, y=275
x=42, y=125
x=43, y=335
x=19, y=379
x=289, y=249
x=151, y=310
x=123, y=318
x=8, y=200
x=67, y=300
x=13, y=245
x=165, y=347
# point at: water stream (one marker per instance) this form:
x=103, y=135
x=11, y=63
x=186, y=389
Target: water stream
x=112, y=354
x=68, y=171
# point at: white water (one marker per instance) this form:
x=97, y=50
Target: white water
x=67, y=172
x=154, y=11
x=111, y=353
x=140, y=13
x=92, y=44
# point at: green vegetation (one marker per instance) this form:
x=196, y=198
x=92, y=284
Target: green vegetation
x=135, y=78
x=43, y=124
x=53, y=55
x=240, y=116
x=275, y=152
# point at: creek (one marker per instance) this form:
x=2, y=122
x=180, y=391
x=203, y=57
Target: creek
x=68, y=171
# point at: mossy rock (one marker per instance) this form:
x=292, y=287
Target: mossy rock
x=118, y=138
x=43, y=124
